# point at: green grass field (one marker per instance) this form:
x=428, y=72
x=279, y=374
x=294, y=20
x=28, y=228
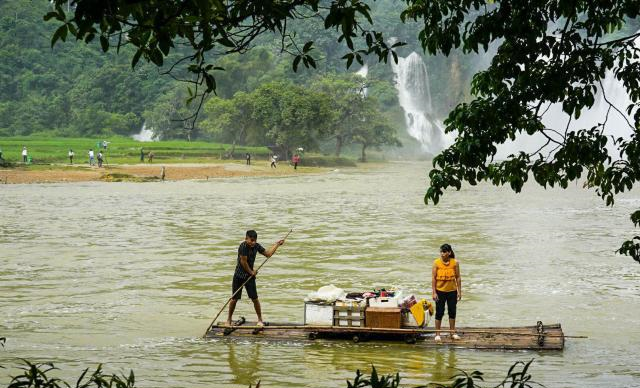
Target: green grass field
x=120, y=150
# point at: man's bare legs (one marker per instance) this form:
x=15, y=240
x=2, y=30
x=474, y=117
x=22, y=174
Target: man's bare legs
x=232, y=307
x=258, y=308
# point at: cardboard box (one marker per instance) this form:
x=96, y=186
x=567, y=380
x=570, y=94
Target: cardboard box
x=381, y=317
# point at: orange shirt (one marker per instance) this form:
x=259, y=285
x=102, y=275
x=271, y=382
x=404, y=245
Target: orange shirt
x=445, y=275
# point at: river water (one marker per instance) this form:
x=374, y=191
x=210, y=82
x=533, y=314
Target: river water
x=130, y=275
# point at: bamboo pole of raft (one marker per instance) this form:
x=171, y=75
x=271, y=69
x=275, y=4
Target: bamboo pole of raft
x=240, y=289
x=338, y=329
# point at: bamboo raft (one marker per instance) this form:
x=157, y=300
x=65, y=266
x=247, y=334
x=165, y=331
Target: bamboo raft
x=538, y=337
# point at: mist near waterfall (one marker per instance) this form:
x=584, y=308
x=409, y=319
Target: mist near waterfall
x=145, y=134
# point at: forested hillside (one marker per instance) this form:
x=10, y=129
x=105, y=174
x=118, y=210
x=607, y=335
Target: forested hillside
x=52, y=92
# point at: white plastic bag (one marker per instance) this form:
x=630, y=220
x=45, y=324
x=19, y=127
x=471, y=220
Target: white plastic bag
x=326, y=294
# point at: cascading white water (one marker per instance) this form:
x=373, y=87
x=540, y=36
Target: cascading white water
x=617, y=122
x=145, y=134
x=414, y=95
x=364, y=70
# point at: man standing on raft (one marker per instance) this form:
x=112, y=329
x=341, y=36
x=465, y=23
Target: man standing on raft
x=244, y=270
x=446, y=285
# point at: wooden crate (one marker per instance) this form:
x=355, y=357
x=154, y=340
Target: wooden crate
x=348, y=316
x=383, y=317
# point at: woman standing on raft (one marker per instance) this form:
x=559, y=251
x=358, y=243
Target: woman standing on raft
x=446, y=286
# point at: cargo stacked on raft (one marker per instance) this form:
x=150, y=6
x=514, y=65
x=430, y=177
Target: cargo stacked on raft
x=330, y=313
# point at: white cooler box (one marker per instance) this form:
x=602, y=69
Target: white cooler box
x=384, y=301
x=318, y=314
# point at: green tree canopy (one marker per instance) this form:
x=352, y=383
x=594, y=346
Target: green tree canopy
x=373, y=130
x=348, y=106
x=292, y=115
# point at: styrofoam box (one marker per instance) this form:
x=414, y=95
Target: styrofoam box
x=384, y=302
x=354, y=314
x=345, y=322
x=318, y=314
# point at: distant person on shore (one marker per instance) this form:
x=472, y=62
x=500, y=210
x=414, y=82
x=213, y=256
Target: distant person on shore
x=105, y=144
x=150, y=156
x=24, y=154
x=446, y=287
x=248, y=157
x=295, y=160
x=71, y=154
x=91, y=157
x=142, y=155
x=244, y=271
x=274, y=160
x=100, y=157
x=1, y=154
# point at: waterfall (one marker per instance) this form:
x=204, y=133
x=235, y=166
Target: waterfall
x=414, y=95
x=364, y=70
x=617, y=122
x=145, y=134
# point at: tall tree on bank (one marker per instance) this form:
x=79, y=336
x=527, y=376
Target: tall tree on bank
x=373, y=131
x=548, y=52
x=231, y=121
x=345, y=95
x=291, y=115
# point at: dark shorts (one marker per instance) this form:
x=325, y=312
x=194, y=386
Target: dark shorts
x=250, y=287
x=448, y=298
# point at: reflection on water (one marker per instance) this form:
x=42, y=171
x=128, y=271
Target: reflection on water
x=444, y=366
x=130, y=275
x=244, y=362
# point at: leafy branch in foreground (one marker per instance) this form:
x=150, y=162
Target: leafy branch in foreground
x=38, y=376
x=550, y=54
x=518, y=376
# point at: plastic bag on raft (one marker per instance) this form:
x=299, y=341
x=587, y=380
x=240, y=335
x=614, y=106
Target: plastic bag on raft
x=326, y=294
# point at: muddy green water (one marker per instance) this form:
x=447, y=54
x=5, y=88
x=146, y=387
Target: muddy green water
x=129, y=275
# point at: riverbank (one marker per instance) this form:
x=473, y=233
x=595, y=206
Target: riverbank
x=57, y=173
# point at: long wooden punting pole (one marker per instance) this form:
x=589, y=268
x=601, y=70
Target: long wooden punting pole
x=240, y=289
x=330, y=329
